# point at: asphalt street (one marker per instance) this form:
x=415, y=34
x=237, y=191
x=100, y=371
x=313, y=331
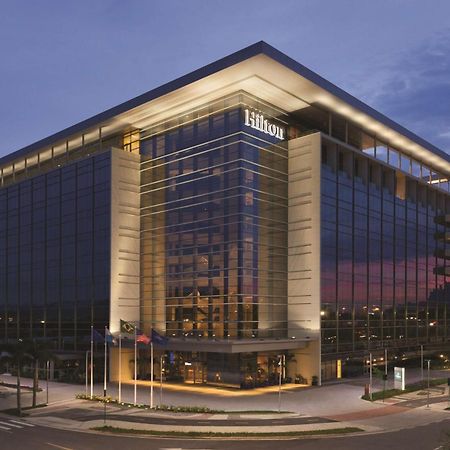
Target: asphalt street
x=20, y=436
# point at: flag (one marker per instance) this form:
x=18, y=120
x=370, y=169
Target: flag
x=96, y=336
x=126, y=327
x=109, y=337
x=158, y=339
x=143, y=338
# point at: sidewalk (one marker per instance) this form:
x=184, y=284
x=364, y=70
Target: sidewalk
x=334, y=406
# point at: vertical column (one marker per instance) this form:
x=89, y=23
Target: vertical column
x=304, y=250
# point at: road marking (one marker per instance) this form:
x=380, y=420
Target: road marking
x=22, y=423
x=4, y=428
x=10, y=424
x=59, y=446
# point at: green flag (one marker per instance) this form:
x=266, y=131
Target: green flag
x=126, y=327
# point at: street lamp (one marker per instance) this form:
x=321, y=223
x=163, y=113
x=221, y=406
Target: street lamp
x=48, y=370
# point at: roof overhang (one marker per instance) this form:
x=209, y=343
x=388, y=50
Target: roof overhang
x=235, y=346
x=262, y=71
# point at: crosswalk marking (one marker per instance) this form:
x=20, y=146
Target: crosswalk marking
x=11, y=423
x=8, y=424
x=22, y=423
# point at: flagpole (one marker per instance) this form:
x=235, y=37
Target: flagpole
x=120, y=367
x=151, y=374
x=160, y=378
x=106, y=361
x=104, y=380
x=135, y=365
x=92, y=362
x=87, y=372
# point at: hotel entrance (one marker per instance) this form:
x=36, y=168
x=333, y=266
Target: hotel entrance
x=195, y=372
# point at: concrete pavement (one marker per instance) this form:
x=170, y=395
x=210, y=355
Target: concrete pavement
x=329, y=407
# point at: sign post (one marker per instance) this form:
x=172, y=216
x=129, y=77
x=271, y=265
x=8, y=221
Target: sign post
x=448, y=384
x=399, y=378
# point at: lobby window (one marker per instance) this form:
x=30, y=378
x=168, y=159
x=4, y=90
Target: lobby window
x=131, y=142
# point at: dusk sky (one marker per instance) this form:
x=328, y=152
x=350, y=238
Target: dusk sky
x=64, y=61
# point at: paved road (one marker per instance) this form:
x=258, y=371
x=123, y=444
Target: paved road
x=428, y=437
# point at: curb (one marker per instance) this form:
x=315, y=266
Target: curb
x=242, y=432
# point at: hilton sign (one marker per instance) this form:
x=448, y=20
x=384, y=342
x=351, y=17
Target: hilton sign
x=258, y=122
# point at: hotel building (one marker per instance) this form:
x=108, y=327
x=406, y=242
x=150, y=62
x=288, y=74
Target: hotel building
x=247, y=210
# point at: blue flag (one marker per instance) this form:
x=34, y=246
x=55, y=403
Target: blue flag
x=96, y=336
x=109, y=337
x=159, y=339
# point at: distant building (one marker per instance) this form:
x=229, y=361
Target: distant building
x=246, y=210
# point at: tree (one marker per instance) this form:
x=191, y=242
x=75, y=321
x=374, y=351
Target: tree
x=37, y=352
x=17, y=354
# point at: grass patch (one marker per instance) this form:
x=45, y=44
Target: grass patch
x=259, y=411
x=388, y=393
x=117, y=430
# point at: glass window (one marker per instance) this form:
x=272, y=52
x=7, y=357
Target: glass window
x=381, y=152
x=394, y=157
x=426, y=174
x=415, y=168
x=368, y=144
x=338, y=127
x=405, y=163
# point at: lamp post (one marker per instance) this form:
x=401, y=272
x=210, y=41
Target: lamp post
x=370, y=376
x=47, y=375
x=385, y=372
x=421, y=362
x=428, y=382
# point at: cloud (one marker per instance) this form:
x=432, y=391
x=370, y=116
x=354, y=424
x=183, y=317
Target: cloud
x=414, y=90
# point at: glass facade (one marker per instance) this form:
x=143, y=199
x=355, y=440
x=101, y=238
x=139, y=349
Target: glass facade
x=55, y=254
x=214, y=225
x=209, y=255
x=382, y=256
